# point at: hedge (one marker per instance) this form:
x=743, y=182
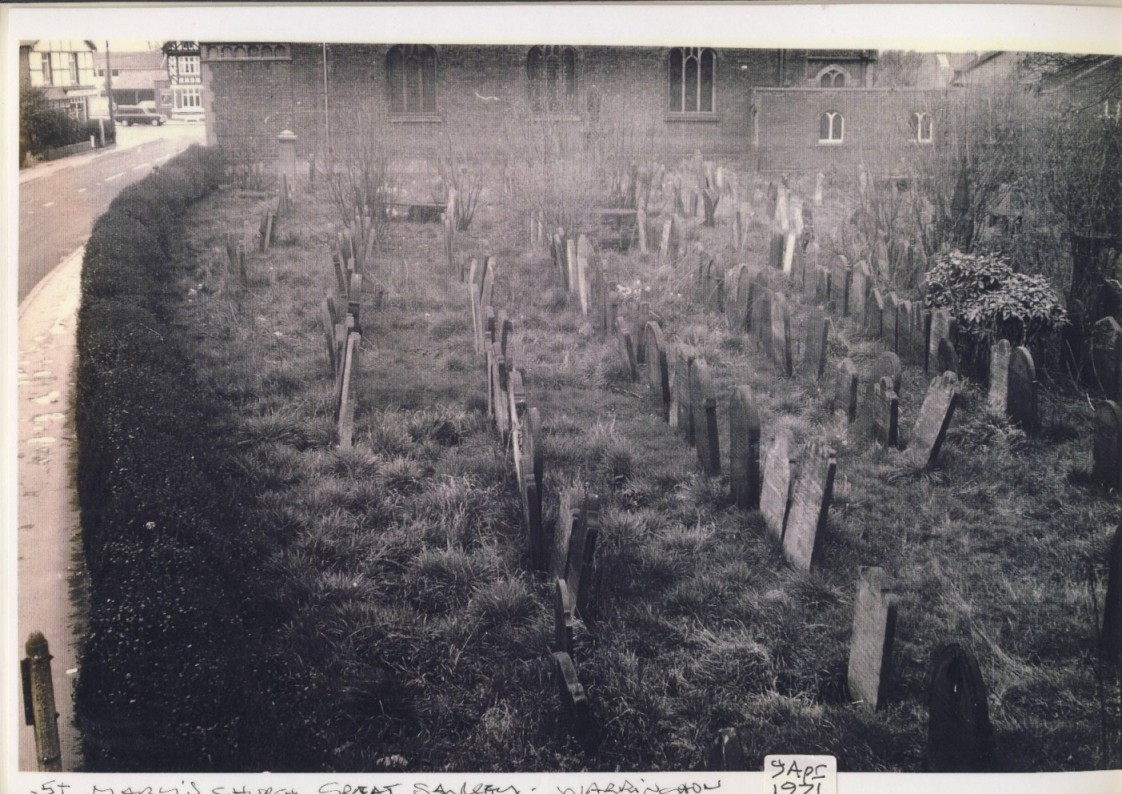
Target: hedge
x=163, y=665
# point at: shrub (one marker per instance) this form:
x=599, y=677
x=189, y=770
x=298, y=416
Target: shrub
x=990, y=301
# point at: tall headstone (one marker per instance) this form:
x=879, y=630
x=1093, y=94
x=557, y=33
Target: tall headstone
x=840, y=277
x=959, y=734
x=859, y=281
x=781, y=335
x=886, y=414
x=906, y=346
x=818, y=328
x=658, y=375
x=703, y=403
x=810, y=507
x=874, y=314
x=1106, y=355
x=870, y=645
x=891, y=317
x=744, y=449
x=934, y=418
x=684, y=410
x=776, y=493
x=1022, y=403
x=1106, y=457
x=942, y=327
x=1111, y=637
x=743, y=306
x=822, y=285
x=998, y=397
x=845, y=389
x=761, y=317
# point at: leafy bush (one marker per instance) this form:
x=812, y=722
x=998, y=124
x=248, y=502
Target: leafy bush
x=990, y=301
x=42, y=127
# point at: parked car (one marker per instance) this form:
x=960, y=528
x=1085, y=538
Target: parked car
x=133, y=114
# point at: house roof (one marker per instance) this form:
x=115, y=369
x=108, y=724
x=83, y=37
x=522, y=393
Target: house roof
x=33, y=43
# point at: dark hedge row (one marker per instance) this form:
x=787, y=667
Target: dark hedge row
x=163, y=668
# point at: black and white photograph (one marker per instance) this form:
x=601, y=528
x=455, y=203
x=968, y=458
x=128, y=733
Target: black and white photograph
x=601, y=389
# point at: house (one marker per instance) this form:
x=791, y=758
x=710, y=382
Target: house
x=754, y=108
x=135, y=77
x=184, y=79
x=64, y=70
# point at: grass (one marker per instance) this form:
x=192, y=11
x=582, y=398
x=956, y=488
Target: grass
x=401, y=628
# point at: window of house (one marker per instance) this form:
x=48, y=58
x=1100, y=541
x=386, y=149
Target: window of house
x=693, y=83
x=72, y=65
x=921, y=126
x=188, y=98
x=831, y=127
x=832, y=77
x=411, y=78
x=551, y=73
x=189, y=64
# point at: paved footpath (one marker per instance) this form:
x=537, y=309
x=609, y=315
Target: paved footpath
x=50, y=568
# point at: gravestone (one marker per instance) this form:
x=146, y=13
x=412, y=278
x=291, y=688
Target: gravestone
x=860, y=278
x=998, y=397
x=761, y=317
x=840, y=276
x=1106, y=460
x=781, y=335
x=582, y=553
x=942, y=327
x=744, y=293
x=1111, y=637
x=810, y=507
x=870, y=645
x=664, y=250
x=1106, y=355
x=888, y=365
x=569, y=505
x=726, y=753
x=1022, y=403
x=532, y=489
x=658, y=375
x=946, y=358
x=627, y=354
x=574, y=701
x=328, y=321
x=845, y=389
x=822, y=285
x=905, y=333
x=934, y=419
x=886, y=413
x=890, y=321
x=744, y=449
x=959, y=735
x=563, y=618
x=475, y=289
x=571, y=265
x=817, y=337
x=681, y=391
x=584, y=276
x=874, y=314
x=637, y=335
x=347, y=399
x=776, y=492
x=703, y=403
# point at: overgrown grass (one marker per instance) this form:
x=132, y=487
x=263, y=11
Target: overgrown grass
x=402, y=627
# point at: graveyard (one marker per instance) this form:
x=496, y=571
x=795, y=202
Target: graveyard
x=673, y=491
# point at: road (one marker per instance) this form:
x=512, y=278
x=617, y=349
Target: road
x=57, y=210
x=58, y=205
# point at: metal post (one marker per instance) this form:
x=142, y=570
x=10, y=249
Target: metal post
x=39, y=685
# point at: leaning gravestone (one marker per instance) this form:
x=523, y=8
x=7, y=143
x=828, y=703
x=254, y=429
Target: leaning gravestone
x=810, y=507
x=1111, y=638
x=870, y=646
x=658, y=375
x=703, y=403
x=574, y=701
x=959, y=735
x=563, y=620
x=934, y=419
x=845, y=389
x=1022, y=403
x=567, y=515
x=886, y=414
x=998, y=396
x=776, y=493
x=744, y=449
x=627, y=354
x=1105, y=455
x=817, y=337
